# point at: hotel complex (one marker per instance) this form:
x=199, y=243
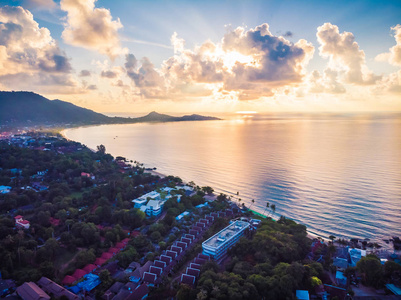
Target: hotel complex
x=216, y=246
x=152, y=203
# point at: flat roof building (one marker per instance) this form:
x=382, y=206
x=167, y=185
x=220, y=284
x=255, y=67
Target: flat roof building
x=216, y=246
x=153, y=195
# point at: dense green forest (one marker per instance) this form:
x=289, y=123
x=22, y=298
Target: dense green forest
x=79, y=204
x=92, y=213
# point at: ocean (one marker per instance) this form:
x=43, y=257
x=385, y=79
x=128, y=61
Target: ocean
x=339, y=174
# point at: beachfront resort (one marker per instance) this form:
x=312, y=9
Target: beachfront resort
x=92, y=226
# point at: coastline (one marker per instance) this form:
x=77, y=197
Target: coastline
x=310, y=234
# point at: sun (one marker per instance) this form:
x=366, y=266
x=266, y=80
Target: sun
x=246, y=112
x=231, y=58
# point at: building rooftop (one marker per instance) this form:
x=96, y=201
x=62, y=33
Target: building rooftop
x=154, y=203
x=302, y=295
x=30, y=291
x=180, y=216
x=226, y=234
x=152, y=195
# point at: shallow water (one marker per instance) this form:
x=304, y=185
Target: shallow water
x=337, y=174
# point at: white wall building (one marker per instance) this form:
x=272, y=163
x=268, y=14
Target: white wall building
x=153, y=208
x=153, y=195
x=21, y=223
x=216, y=246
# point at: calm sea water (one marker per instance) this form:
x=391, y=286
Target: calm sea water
x=337, y=174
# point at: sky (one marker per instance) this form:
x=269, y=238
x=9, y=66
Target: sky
x=131, y=57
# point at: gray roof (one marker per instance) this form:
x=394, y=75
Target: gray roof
x=30, y=291
x=340, y=263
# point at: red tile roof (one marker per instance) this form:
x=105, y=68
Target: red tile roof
x=79, y=273
x=135, y=233
x=114, y=250
x=68, y=280
x=54, y=221
x=100, y=261
x=18, y=217
x=107, y=255
x=120, y=245
x=89, y=268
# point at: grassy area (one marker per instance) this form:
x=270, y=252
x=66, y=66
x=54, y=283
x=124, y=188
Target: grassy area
x=79, y=194
x=258, y=214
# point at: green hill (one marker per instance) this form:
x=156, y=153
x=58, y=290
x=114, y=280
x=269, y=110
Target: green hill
x=27, y=108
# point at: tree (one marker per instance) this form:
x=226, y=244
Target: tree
x=332, y=238
x=273, y=208
x=52, y=245
x=101, y=149
x=155, y=236
x=315, y=281
x=47, y=269
x=371, y=269
x=207, y=190
x=105, y=277
x=253, y=202
x=392, y=268
x=85, y=257
x=184, y=292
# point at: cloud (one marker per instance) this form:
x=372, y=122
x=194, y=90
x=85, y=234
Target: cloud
x=144, y=76
x=43, y=82
x=39, y=4
x=109, y=74
x=177, y=43
x=30, y=57
x=328, y=83
x=344, y=54
x=288, y=34
x=91, y=28
x=85, y=73
x=394, y=56
x=275, y=61
x=251, y=62
x=27, y=47
x=389, y=84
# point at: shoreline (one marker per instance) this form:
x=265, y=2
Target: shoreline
x=275, y=217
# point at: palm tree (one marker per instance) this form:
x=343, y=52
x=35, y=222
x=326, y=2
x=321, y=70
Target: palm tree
x=273, y=208
x=253, y=202
x=267, y=206
x=239, y=201
x=332, y=238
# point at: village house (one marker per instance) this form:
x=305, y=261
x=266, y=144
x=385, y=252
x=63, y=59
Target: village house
x=30, y=291
x=21, y=223
x=39, y=186
x=5, y=189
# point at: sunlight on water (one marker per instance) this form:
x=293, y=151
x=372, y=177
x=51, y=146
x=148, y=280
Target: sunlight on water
x=338, y=175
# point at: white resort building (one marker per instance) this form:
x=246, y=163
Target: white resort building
x=152, y=202
x=216, y=246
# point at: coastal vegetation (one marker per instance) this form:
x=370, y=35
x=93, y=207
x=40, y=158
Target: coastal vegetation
x=78, y=203
x=269, y=265
x=82, y=208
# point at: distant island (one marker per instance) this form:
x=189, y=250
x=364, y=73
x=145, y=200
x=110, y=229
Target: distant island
x=30, y=109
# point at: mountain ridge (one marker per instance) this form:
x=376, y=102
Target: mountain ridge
x=28, y=108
